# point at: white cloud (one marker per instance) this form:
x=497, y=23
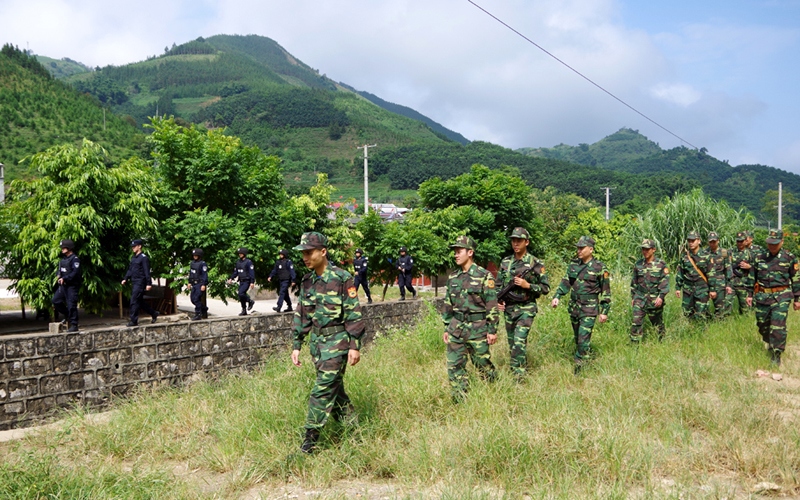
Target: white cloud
x=676, y=93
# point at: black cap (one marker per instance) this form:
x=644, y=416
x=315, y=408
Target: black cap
x=198, y=252
x=284, y=252
x=242, y=251
x=67, y=244
x=403, y=249
x=135, y=243
x=358, y=250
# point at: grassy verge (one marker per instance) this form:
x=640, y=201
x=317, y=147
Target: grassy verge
x=682, y=418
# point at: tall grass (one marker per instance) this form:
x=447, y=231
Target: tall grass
x=684, y=417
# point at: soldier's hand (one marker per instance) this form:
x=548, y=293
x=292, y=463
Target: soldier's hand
x=749, y=301
x=678, y=293
x=712, y=295
x=501, y=306
x=296, y=357
x=658, y=302
x=269, y=279
x=554, y=303
x=353, y=357
x=122, y=282
x=203, y=288
x=522, y=283
x=602, y=318
x=60, y=281
x=446, y=338
x=491, y=339
x=729, y=290
x=796, y=306
x=148, y=287
x=744, y=265
x=252, y=285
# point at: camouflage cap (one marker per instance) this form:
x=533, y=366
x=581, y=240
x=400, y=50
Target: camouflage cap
x=749, y=234
x=741, y=236
x=774, y=237
x=312, y=240
x=464, y=242
x=713, y=236
x=585, y=241
x=648, y=243
x=520, y=232
x=693, y=235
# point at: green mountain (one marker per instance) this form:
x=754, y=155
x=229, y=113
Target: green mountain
x=62, y=68
x=37, y=111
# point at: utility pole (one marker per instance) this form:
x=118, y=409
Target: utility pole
x=366, y=178
x=2, y=184
x=780, y=205
x=608, y=198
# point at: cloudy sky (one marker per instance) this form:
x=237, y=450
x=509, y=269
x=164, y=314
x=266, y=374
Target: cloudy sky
x=724, y=75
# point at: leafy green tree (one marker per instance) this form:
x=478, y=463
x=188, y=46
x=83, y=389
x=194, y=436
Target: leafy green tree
x=79, y=197
x=608, y=235
x=769, y=202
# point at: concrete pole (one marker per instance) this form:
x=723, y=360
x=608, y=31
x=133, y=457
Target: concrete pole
x=366, y=176
x=608, y=199
x=2, y=184
x=780, y=205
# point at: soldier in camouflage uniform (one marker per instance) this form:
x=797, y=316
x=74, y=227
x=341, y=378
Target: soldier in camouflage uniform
x=741, y=277
x=330, y=312
x=470, y=316
x=775, y=274
x=649, y=288
x=519, y=304
x=589, y=287
x=722, y=270
x=695, y=278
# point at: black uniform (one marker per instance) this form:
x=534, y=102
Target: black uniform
x=139, y=276
x=65, y=300
x=406, y=265
x=245, y=272
x=284, y=273
x=360, y=268
x=198, y=278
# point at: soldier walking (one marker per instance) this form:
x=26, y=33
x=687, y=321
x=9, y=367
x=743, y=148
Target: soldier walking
x=649, y=288
x=360, y=264
x=139, y=276
x=68, y=283
x=405, y=264
x=519, y=303
x=283, y=271
x=741, y=277
x=198, y=283
x=330, y=312
x=589, y=286
x=722, y=270
x=470, y=317
x=776, y=284
x=245, y=273
x=695, y=280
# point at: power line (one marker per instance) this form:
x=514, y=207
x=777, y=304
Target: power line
x=584, y=76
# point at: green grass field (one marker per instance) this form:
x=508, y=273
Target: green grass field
x=685, y=418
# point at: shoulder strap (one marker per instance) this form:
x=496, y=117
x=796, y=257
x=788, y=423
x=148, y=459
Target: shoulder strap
x=699, y=272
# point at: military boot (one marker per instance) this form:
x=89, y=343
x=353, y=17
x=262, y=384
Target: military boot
x=243, y=313
x=197, y=317
x=776, y=358
x=310, y=441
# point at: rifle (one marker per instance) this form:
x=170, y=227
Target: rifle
x=502, y=293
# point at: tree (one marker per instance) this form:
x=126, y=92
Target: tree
x=769, y=202
x=78, y=197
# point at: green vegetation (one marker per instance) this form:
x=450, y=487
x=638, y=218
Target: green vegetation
x=62, y=68
x=682, y=418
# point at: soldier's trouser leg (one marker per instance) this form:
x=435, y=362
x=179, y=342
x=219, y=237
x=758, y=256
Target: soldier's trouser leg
x=657, y=320
x=364, y=283
x=481, y=357
x=244, y=298
x=637, y=320
x=328, y=391
x=138, y=302
x=457, y=367
x=60, y=302
x=771, y=312
x=719, y=303
x=406, y=284
x=518, y=325
x=582, y=328
x=196, y=296
x=695, y=303
x=283, y=295
x=741, y=299
x=67, y=297
x=401, y=283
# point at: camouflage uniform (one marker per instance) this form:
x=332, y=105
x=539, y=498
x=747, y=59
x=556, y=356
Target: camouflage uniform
x=722, y=270
x=470, y=314
x=650, y=281
x=330, y=312
x=520, y=303
x=589, y=291
x=741, y=279
x=695, y=289
x=776, y=283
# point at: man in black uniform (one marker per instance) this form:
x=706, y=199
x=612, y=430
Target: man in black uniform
x=65, y=300
x=245, y=272
x=284, y=273
x=139, y=275
x=198, y=282
x=360, y=268
x=405, y=264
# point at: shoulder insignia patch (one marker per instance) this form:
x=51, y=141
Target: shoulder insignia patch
x=351, y=292
x=605, y=274
x=490, y=283
x=666, y=270
x=542, y=270
x=796, y=266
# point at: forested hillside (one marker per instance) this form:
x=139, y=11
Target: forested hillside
x=62, y=68
x=38, y=111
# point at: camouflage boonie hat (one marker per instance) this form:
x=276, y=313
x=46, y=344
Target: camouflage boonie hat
x=648, y=243
x=520, y=232
x=775, y=236
x=741, y=236
x=464, y=242
x=693, y=235
x=713, y=236
x=312, y=240
x=585, y=241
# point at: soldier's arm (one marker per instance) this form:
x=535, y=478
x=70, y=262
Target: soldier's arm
x=543, y=285
x=273, y=272
x=292, y=273
x=204, y=274
x=663, y=285
x=794, y=276
x=679, y=277
x=563, y=287
x=447, y=314
x=634, y=275
x=251, y=272
x=351, y=311
x=146, y=268
x=301, y=323
x=490, y=297
x=605, y=291
x=73, y=271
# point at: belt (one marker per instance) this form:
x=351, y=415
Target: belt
x=585, y=295
x=469, y=317
x=773, y=289
x=328, y=330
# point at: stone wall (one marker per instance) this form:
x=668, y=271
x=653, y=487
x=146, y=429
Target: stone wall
x=40, y=373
